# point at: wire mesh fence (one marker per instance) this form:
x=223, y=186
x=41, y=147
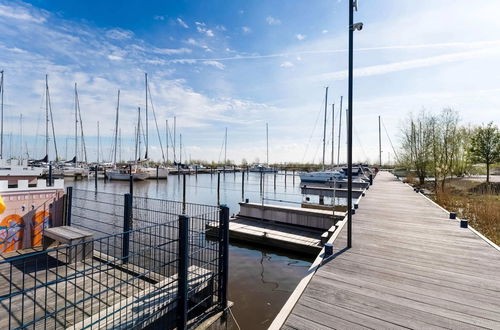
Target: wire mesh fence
x=143, y=264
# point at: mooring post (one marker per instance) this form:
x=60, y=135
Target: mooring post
x=130, y=180
x=157, y=169
x=127, y=226
x=371, y=179
x=260, y=183
x=293, y=178
x=285, y=178
x=263, y=175
x=105, y=176
x=69, y=203
x=182, y=276
x=50, y=175
x=183, y=193
x=242, y=185
x=218, y=188
x=223, y=254
x=95, y=177
x=275, y=181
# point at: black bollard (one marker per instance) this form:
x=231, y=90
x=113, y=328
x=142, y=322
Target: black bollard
x=243, y=185
x=50, y=176
x=95, y=176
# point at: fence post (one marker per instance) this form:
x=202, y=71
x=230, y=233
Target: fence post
x=127, y=226
x=69, y=203
x=223, y=254
x=182, y=275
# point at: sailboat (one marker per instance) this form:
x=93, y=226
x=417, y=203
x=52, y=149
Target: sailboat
x=124, y=173
x=264, y=168
x=160, y=172
x=324, y=175
x=71, y=168
x=13, y=170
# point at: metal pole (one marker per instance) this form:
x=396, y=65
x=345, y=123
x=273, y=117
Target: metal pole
x=223, y=254
x=340, y=130
x=127, y=226
x=242, y=185
x=183, y=193
x=50, y=175
x=349, y=127
x=95, y=176
x=218, y=188
x=274, y=181
x=131, y=180
x=69, y=202
x=182, y=278
x=285, y=178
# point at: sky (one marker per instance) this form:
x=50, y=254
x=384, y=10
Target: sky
x=220, y=64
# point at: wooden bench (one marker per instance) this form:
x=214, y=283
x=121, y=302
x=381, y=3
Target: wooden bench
x=80, y=242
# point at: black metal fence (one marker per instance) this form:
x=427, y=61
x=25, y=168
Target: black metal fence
x=148, y=266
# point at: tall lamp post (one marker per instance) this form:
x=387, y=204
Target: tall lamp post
x=353, y=5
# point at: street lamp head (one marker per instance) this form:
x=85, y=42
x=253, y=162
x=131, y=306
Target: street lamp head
x=357, y=26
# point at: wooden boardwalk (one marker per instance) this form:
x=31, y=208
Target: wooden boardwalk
x=409, y=267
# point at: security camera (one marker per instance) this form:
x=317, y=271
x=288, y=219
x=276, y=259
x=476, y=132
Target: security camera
x=357, y=26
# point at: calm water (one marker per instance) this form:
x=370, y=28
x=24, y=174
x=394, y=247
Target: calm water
x=260, y=279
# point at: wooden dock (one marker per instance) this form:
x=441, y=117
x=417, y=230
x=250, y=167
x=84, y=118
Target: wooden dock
x=410, y=266
x=292, y=238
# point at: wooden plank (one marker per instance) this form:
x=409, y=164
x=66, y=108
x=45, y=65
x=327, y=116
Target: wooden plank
x=409, y=267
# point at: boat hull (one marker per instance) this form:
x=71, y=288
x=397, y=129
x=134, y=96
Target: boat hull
x=140, y=176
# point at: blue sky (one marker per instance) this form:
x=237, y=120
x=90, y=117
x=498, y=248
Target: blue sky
x=240, y=64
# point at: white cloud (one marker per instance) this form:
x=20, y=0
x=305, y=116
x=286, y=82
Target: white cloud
x=20, y=13
x=373, y=70
x=119, y=34
x=216, y=64
x=115, y=57
x=246, y=29
x=300, y=36
x=286, y=64
x=159, y=18
x=324, y=31
x=172, y=51
x=272, y=20
x=201, y=27
x=182, y=23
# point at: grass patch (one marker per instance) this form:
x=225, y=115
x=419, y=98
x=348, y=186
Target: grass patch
x=474, y=201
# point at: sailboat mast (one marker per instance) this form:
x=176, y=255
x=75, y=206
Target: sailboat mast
x=175, y=120
x=340, y=129
x=120, y=143
x=83, y=146
x=116, y=127
x=180, y=148
x=139, y=133
x=98, y=142
x=267, y=144
x=76, y=126
x=333, y=132
x=47, y=116
x=147, y=130
x=379, y=144
x=21, y=131
x=324, y=126
x=1, y=110
x=166, y=136
x=225, y=148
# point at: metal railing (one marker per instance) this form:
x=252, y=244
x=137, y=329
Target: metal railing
x=148, y=265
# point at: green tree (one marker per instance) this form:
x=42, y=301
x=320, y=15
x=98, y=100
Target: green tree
x=485, y=146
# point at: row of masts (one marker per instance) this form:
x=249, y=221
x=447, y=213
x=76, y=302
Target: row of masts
x=323, y=164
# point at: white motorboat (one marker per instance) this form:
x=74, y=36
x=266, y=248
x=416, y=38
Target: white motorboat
x=321, y=176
